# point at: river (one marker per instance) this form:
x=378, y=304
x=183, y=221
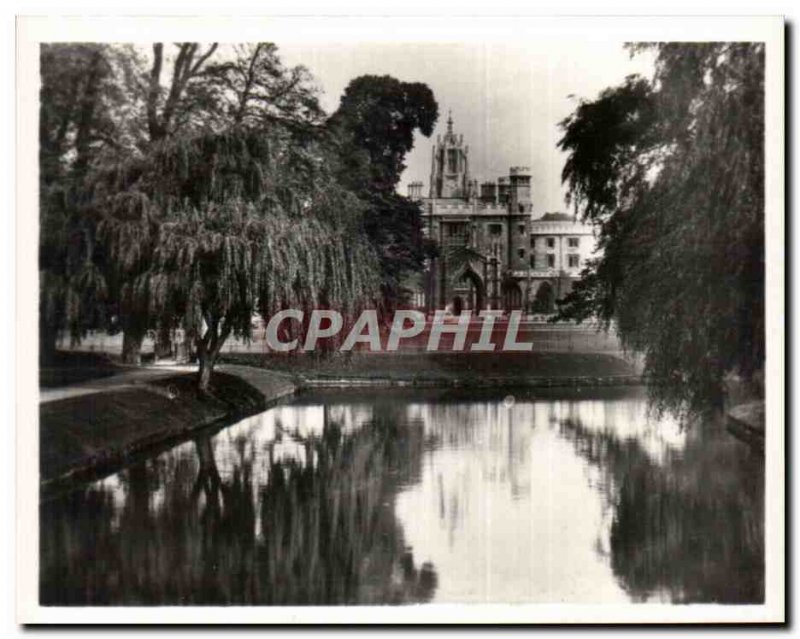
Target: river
x=392, y=497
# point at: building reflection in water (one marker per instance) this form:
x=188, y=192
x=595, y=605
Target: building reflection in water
x=384, y=500
x=585, y=501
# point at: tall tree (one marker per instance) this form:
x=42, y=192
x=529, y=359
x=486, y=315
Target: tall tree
x=381, y=114
x=80, y=98
x=248, y=86
x=256, y=89
x=230, y=225
x=375, y=125
x=169, y=109
x=98, y=105
x=671, y=172
x=181, y=105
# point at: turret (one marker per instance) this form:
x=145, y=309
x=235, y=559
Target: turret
x=520, y=189
x=450, y=166
x=502, y=190
x=415, y=190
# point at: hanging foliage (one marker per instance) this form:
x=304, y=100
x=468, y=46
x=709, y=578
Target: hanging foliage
x=671, y=172
x=207, y=231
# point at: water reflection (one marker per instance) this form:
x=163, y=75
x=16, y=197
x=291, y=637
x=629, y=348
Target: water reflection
x=688, y=528
x=261, y=513
x=386, y=500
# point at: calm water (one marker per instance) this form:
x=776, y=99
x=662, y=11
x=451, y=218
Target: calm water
x=390, y=499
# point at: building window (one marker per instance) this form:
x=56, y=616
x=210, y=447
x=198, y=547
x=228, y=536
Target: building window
x=573, y=242
x=551, y=242
x=452, y=161
x=533, y=241
x=573, y=261
x=533, y=260
x=551, y=261
x=521, y=229
x=521, y=253
x=495, y=229
x=457, y=230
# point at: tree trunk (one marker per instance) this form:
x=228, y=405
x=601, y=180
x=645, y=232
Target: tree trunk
x=86, y=118
x=208, y=349
x=163, y=345
x=134, y=329
x=132, y=346
x=204, y=373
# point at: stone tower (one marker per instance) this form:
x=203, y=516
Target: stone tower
x=520, y=189
x=450, y=165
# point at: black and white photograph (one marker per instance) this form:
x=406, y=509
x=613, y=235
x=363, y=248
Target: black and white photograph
x=398, y=320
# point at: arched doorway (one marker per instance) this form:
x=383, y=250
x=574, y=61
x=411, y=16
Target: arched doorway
x=470, y=292
x=545, y=300
x=512, y=295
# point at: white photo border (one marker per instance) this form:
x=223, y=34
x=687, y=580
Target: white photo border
x=33, y=30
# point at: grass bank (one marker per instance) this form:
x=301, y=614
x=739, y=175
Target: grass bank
x=85, y=435
x=463, y=369
x=73, y=367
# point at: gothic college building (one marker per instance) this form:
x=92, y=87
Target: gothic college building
x=492, y=252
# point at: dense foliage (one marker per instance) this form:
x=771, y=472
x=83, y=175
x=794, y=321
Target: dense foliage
x=200, y=197
x=208, y=230
x=83, y=95
x=375, y=125
x=671, y=173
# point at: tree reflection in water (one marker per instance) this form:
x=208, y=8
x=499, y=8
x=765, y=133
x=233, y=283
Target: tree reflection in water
x=577, y=499
x=689, y=527
x=316, y=527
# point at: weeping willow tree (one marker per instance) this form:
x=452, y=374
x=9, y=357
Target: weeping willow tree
x=671, y=173
x=207, y=231
x=218, y=265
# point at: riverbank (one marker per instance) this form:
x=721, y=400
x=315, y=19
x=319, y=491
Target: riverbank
x=747, y=421
x=448, y=369
x=84, y=435
x=73, y=367
x=745, y=410
x=92, y=427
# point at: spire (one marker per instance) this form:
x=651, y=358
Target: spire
x=449, y=121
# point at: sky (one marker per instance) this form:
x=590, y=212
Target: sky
x=506, y=98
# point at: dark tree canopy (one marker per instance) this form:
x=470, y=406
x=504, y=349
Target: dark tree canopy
x=671, y=172
x=80, y=100
x=374, y=128
x=381, y=113
x=605, y=138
